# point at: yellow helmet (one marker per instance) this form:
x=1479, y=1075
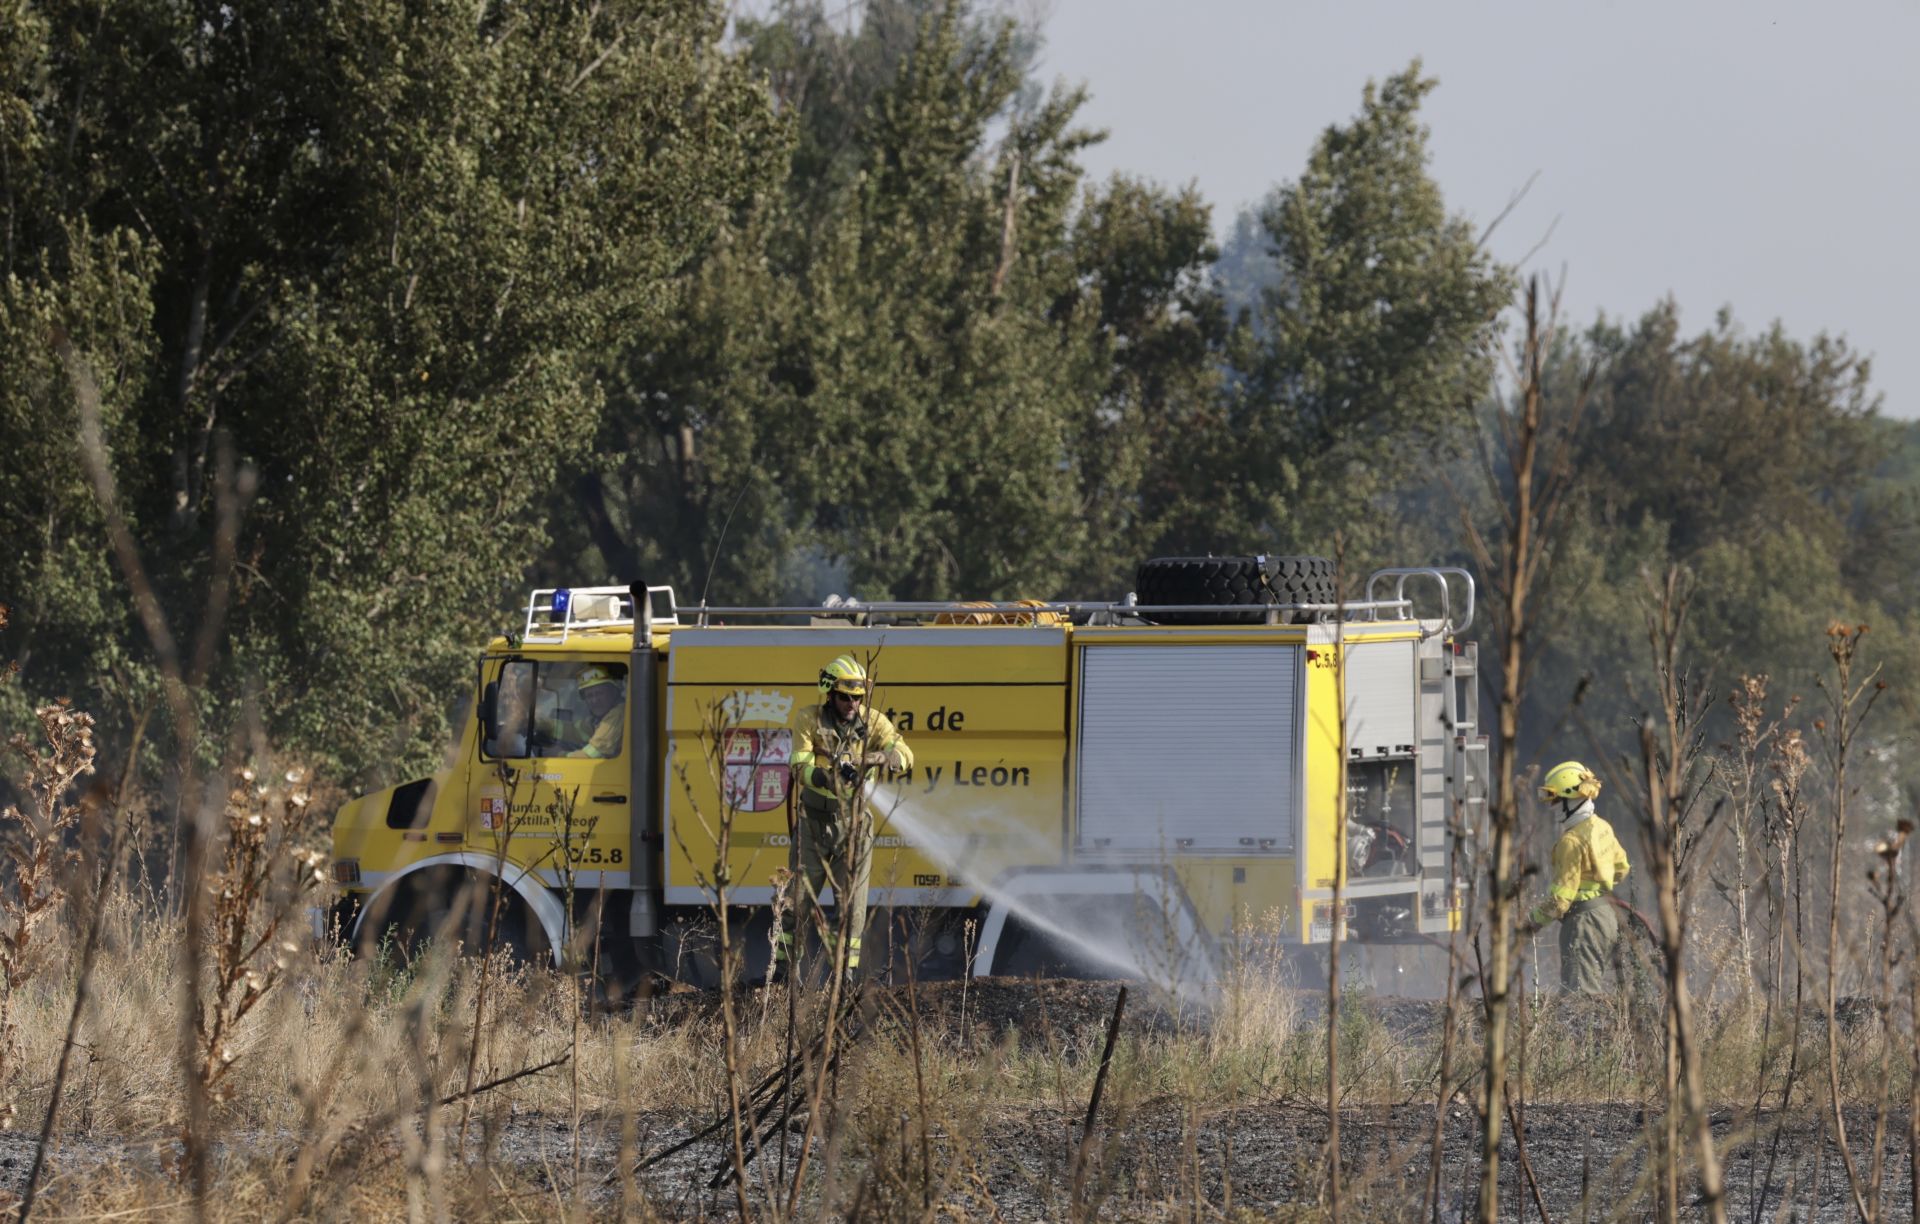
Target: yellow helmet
x=593, y=675
x=1569, y=781
x=844, y=675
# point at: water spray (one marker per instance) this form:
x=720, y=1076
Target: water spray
x=992, y=843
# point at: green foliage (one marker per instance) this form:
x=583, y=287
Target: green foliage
x=67, y=608
x=471, y=295
x=1161, y=331
x=1727, y=437
x=383, y=243
x=62, y=278
x=827, y=74
x=932, y=364
x=1884, y=529
x=1758, y=461
x=1368, y=344
x=947, y=388
x=944, y=365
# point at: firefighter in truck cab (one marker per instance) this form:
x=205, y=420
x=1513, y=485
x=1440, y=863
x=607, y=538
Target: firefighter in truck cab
x=605, y=695
x=836, y=746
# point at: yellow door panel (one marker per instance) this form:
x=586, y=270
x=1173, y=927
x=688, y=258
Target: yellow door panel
x=550, y=777
x=982, y=709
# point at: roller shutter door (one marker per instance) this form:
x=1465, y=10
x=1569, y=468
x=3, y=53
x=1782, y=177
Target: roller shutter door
x=1188, y=749
x=1381, y=706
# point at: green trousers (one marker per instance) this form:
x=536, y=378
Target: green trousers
x=833, y=848
x=1587, y=937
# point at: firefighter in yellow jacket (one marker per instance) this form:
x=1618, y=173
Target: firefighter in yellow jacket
x=604, y=692
x=836, y=746
x=1588, y=863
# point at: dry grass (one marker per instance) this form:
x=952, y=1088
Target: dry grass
x=359, y=1028
x=341, y=1083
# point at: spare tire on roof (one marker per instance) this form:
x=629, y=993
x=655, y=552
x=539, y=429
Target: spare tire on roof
x=1251, y=583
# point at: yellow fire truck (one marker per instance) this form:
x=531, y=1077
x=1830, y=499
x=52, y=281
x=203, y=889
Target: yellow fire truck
x=1213, y=752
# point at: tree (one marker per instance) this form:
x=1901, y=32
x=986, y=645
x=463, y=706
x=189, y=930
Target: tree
x=1161, y=331
x=1369, y=343
x=385, y=242
x=694, y=481
x=826, y=69
x=61, y=278
x=1747, y=459
x=1725, y=436
x=1885, y=519
x=945, y=380
x=931, y=366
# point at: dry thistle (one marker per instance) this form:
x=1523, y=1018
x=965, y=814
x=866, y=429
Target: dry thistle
x=37, y=846
x=263, y=872
x=1789, y=762
x=1843, y=641
x=781, y=880
x=1740, y=773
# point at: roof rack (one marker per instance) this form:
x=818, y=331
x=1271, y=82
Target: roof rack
x=1097, y=612
x=555, y=612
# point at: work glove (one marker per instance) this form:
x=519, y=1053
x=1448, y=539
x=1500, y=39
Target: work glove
x=848, y=773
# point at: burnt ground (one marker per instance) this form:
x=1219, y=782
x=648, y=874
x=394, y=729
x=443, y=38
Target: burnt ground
x=1265, y=1160
x=1587, y=1159
x=1261, y=1158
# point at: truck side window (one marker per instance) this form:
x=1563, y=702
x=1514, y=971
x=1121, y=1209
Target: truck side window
x=513, y=711
x=543, y=709
x=595, y=694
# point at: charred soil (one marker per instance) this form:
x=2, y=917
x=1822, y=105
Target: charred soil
x=1159, y=1143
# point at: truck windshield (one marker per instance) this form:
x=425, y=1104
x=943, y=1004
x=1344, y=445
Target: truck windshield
x=544, y=709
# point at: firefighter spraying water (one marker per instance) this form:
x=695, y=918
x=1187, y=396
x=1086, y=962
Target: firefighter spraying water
x=836, y=746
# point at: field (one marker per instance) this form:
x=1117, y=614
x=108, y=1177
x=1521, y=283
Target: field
x=345, y=1094
x=194, y=1052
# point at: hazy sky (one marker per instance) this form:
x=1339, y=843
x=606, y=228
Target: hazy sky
x=1760, y=155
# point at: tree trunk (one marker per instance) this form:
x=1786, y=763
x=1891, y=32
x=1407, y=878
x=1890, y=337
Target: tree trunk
x=590, y=496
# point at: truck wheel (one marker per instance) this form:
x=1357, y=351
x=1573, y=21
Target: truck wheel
x=1026, y=952
x=424, y=909
x=1237, y=582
